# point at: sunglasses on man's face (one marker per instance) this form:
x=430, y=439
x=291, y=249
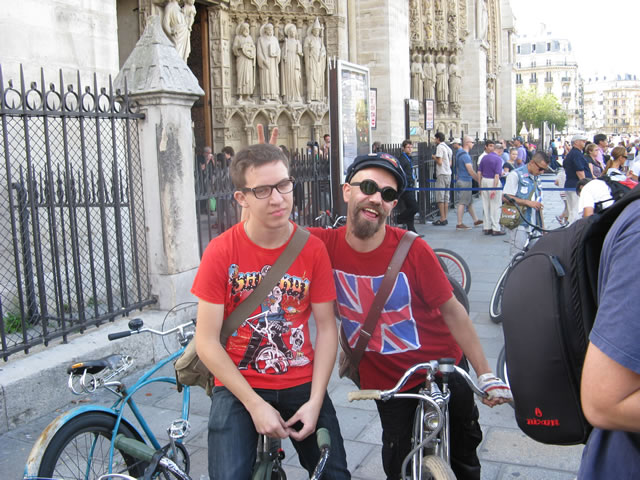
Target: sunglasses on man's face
x=369, y=187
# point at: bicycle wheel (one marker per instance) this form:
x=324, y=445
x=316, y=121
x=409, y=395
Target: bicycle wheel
x=80, y=450
x=495, y=305
x=435, y=468
x=454, y=265
x=501, y=369
x=459, y=292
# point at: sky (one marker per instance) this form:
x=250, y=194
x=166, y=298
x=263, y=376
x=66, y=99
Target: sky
x=604, y=35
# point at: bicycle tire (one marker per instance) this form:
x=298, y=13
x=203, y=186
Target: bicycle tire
x=454, y=265
x=459, y=293
x=61, y=461
x=495, y=305
x=501, y=369
x=435, y=468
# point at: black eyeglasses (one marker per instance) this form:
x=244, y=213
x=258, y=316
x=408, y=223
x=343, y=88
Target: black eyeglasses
x=265, y=191
x=369, y=187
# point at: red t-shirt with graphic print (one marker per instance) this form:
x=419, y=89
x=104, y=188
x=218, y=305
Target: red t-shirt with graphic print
x=411, y=329
x=274, y=350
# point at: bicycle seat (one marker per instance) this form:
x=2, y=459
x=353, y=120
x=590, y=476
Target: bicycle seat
x=95, y=366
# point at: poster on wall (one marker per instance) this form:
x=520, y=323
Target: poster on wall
x=373, y=102
x=415, y=126
x=429, y=114
x=354, y=115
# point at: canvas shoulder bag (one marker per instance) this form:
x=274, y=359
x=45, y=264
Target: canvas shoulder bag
x=349, y=360
x=190, y=370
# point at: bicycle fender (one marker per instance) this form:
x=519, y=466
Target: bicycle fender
x=37, y=451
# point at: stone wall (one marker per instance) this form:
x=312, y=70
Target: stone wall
x=69, y=34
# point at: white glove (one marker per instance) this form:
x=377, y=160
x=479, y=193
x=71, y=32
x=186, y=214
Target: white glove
x=494, y=387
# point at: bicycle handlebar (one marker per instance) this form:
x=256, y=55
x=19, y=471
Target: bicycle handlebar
x=126, y=333
x=364, y=395
x=117, y=335
x=323, y=438
x=431, y=367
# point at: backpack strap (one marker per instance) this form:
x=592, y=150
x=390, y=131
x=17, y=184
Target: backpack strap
x=382, y=295
x=270, y=280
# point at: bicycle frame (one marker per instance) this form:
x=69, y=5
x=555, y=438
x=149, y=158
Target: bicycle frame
x=432, y=410
x=117, y=411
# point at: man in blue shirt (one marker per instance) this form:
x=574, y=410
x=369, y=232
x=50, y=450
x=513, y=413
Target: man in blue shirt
x=576, y=168
x=610, y=389
x=466, y=175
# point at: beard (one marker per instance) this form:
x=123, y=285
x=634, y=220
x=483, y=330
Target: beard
x=362, y=228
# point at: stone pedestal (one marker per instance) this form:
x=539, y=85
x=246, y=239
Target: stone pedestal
x=165, y=89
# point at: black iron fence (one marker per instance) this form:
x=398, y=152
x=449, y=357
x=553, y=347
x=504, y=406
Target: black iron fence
x=217, y=210
x=72, y=222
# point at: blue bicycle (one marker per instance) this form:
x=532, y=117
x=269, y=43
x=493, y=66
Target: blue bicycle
x=92, y=440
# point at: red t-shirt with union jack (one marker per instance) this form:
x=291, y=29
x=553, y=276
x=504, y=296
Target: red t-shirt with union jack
x=411, y=329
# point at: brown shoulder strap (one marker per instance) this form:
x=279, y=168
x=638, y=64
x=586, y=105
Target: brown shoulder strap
x=382, y=296
x=271, y=279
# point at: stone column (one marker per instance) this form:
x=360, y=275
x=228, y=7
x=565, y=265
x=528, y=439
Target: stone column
x=473, y=91
x=165, y=89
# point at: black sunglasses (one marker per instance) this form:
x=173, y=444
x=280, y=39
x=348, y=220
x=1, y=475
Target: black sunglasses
x=369, y=187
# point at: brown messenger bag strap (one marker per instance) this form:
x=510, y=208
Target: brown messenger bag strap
x=373, y=315
x=271, y=279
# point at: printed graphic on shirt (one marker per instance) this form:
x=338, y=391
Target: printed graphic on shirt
x=396, y=330
x=273, y=344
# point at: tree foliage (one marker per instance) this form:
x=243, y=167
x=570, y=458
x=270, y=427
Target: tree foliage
x=533, y=109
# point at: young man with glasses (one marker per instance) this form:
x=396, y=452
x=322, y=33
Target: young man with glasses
x=421, y=319
x=269, y=377
x=522, y=187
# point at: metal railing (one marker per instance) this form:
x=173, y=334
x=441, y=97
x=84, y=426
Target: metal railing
x=217, y=210
x=72, y=222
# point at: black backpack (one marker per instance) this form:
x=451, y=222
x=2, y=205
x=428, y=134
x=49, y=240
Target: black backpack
x=548, y=309
x=617, y=189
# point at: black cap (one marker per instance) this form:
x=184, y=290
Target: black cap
x=378, y=160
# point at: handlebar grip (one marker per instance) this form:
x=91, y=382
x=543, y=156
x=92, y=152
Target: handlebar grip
x=117, y=335
x=364, y=395
x=323, y=438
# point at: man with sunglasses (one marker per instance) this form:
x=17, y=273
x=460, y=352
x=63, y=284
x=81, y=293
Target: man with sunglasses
x=269, y=377
x=421, y=319
x=522, y=187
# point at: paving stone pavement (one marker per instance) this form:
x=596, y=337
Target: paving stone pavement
x=505, y=452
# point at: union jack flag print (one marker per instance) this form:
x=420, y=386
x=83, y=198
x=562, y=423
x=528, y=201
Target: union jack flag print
x=396, y=330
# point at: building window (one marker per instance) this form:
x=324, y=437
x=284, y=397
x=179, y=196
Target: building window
x=518, y=49
x=548, y=61
x=518, y=65
x=518, y=78
x=548, y=46
x=533, y=47
x=533, y=63
x=534, y=78
x=615, y=111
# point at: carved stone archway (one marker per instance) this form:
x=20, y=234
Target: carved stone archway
x=242, y=48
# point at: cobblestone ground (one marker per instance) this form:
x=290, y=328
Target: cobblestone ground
x=505, y=452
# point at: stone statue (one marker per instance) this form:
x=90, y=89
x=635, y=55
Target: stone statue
x=177, y=23
x=442, y=87
x=417, y=75
x=291, y=69
x=315, y=61
x=268, y=61
x=454, y=85
x=429, y=78
x=482, y=19
x=491, y=102
x=245, y=51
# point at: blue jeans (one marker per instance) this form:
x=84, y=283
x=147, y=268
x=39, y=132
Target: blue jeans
x=233, y=438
